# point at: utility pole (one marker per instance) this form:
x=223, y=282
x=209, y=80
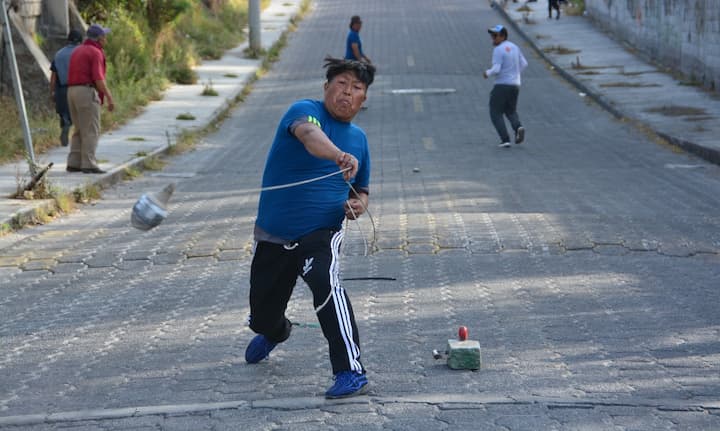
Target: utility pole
x=17, y=86
x=254, y=24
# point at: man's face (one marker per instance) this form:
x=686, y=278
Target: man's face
x=357, y=26
x=102, y=40
x=344, y=96
x=496, y=38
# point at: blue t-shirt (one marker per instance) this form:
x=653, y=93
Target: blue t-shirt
x=353, y=37
x=290, y=213
x=61, y=63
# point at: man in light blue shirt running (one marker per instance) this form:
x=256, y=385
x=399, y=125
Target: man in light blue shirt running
x=508, y=63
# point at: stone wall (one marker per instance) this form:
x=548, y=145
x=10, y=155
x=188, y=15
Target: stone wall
x=683, y=35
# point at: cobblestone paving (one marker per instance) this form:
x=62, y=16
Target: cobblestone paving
x=584, y=264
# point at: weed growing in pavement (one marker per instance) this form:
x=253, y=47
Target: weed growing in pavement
x=64, y=202
x=183, y=142
x=677, y=111
x=87, y=193
x=153, y=163
x=559, y=49
x=136, y=138
x=208, y=89
x=131, y=172
x=185, y=116
x=625, y=84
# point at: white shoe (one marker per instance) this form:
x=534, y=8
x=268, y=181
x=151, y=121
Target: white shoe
x=504, y=145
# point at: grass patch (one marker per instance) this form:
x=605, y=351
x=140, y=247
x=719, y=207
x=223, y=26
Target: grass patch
x=87, y=193
x=625, y=84
x=184, y=142
x=634, y=73
x=136, y=139
x=44, y=129
x=65, y=203
x=131, y=172
x=676, y=110
x=141, y=154
x=208, y=90
x=575, y=7
x=145, y=53
x=185, y=116
x=561, y=50
x=231, y=75
x=153, y=163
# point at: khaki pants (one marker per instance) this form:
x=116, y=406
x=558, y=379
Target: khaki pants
x=84, y=104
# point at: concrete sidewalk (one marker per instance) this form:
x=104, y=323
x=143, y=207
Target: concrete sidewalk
x=617, y=77
x=155, y=129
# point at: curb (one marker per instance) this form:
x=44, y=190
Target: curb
x=708, y=154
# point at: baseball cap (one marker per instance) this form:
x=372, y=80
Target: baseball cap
x=97, y=30
x=355, y=19
x=497, y=29
x=74, y=36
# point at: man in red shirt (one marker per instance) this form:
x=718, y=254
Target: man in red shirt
x=87, y=91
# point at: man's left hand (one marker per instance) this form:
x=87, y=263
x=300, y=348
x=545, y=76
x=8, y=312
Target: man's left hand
x=353, y=208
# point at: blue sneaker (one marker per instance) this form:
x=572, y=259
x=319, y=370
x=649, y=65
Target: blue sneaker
x=258, y=349
x=347, y=384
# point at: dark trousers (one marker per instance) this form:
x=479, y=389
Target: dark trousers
x=503, y=101
x=61, y=105
x=553, y=4
x=63, y=110
x=273, y=275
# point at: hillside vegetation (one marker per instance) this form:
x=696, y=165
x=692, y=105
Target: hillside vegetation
x=152, y=44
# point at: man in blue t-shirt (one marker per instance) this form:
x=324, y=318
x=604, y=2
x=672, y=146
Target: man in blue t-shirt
x=353, y=44
x=317, y=174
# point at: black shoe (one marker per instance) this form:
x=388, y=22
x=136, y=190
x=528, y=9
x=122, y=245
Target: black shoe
x=93, y=171
x=71, y=169
x=520, y=135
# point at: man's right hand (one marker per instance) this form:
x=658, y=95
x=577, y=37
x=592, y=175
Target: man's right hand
x=347, y=161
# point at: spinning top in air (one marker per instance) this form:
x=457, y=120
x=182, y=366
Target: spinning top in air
x=150, y=210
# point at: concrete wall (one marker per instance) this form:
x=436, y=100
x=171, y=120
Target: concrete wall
x=683, y=35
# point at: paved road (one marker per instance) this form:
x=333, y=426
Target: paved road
x=585, y=262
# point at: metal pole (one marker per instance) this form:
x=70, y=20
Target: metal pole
x=254, y=24
x=17, y=86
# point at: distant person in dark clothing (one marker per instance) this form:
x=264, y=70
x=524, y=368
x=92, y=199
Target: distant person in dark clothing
x=353, y=45
x=554, y=4
x=58, y=83
x=86, y=94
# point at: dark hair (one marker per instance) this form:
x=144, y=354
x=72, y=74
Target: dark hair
x=365, y=72
x=355, y=19
x=74, y=36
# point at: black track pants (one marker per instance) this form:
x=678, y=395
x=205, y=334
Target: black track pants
x=273, y=275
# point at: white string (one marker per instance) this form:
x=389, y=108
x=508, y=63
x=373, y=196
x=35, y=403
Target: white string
x=299, y=183
x=372, y=220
